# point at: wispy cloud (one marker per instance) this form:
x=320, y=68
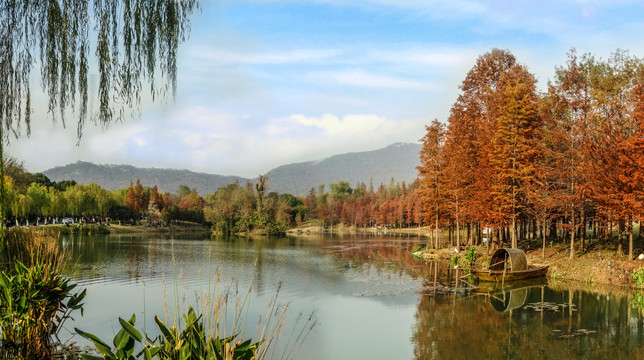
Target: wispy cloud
x=414, y=57
x=224, y=56
x=362, y=78
x=369, y=128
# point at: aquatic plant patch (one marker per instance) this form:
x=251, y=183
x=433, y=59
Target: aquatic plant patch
x=33, y=307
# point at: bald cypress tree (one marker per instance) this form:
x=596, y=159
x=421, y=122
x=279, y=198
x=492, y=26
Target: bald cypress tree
x=431, y=172
x=515, y=147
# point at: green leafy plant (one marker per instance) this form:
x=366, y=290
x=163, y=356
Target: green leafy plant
x=192, y=342
x=638, y=277
x=415, y=252
x=471, y=255
x=417, y=249
x=454, y=260
x=638, y=301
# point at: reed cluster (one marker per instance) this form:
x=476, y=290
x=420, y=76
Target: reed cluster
x=35, y=300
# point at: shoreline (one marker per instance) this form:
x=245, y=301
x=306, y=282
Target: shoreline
x=102, y=229
x=603, y=268
x=599, y=266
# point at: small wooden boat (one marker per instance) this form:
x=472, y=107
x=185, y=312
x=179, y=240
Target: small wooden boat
x=510, y=265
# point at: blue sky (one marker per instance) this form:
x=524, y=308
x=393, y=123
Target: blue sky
x=264, y=83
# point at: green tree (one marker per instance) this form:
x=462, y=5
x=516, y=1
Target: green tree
x=79, y=202
x=57, y=203
x=102, y=198
x=184, y=190
x=341, y=190
x=38, y=200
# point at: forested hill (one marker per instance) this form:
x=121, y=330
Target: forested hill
x=397, y=161
x=114, y=177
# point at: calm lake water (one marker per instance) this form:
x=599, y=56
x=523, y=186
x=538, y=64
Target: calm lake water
x=370, y=298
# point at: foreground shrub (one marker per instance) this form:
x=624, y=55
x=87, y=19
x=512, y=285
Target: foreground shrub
x=471, y=255
x=638, y=278
x=35, y=300
x=190, y=343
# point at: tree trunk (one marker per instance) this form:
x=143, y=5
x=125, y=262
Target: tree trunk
x=572, y=234
x=639, y=227
x=582, y=238
x=620, y=249
x=630, y=240
x=436, y=237
x=553, y=231
x=513, y=232
x=543, y=236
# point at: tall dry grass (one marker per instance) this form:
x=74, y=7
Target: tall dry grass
x=31, y=248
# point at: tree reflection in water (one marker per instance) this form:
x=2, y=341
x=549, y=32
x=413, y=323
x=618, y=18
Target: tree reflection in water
x=529, y=320
x=532, y=322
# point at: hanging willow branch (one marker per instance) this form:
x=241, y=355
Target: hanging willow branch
x=135, y=45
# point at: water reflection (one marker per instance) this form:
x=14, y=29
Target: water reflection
x=373, y=299
x=530, y=322
x=531, y=319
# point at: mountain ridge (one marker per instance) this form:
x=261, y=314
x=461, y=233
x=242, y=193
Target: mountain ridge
x=397, y=161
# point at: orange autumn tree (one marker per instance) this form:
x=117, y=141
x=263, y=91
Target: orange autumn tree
x=568, y=114
x=542, y=193
x=430, y=173
x=631, y=158
x=461, y=154
x=137, y=198
x=514, y=146
x=469, y=172
x=615, y=86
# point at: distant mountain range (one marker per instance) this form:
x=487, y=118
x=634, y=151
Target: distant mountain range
x=397, y=161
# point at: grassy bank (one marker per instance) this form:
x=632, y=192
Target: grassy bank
x=596, y=267
x=182, y=227
x=78, y=229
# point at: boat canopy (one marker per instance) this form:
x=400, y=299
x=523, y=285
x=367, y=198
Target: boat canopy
x=514, y=259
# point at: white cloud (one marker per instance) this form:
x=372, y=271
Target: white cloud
x=316, y=137
x=348, y=126
x=353, y=127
